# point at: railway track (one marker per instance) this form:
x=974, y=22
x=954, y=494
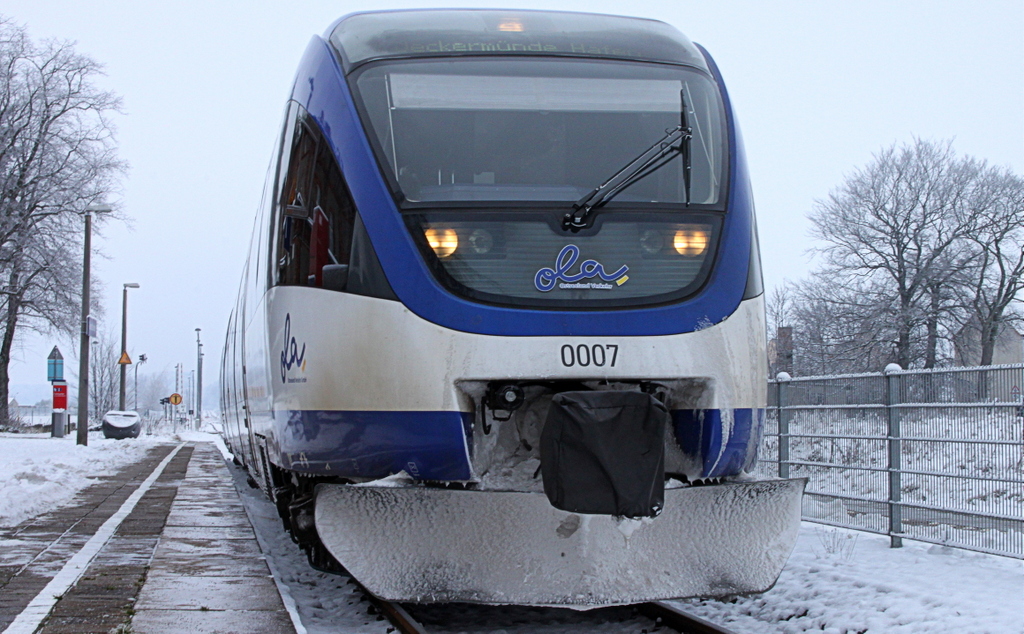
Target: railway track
x=679, y=620
x=663, y=614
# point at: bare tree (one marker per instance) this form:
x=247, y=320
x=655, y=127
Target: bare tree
x=997, y=277
x=779, y=312
x=104, y=376
x=57, y=155
x=896, y=231
x=153, y=387
x=843, y=327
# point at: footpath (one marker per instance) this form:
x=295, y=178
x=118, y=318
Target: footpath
x=163, y=546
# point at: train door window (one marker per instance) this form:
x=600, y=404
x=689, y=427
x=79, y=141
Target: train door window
x=315, y=212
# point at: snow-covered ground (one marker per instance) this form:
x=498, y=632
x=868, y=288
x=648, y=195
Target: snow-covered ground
x=844, y=582
x=39, y=473
x=837, y=581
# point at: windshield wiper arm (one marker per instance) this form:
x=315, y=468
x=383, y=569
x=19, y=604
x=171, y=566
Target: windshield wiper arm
x=684, y=146
x=675, y=141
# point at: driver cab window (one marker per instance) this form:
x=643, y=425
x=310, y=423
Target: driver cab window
x=315, y=212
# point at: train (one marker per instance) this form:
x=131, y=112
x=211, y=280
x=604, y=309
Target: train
x=500, y=333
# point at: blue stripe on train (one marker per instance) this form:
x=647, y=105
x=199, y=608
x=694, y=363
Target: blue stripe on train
x=427, y=445
x=432, y=445
x=699, y=433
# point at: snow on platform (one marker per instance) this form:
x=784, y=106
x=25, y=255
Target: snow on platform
x=39, y=473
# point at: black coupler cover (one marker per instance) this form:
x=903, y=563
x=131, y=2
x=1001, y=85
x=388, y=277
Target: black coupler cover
x=603, y=452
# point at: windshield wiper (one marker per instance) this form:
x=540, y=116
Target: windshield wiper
x=675, y=141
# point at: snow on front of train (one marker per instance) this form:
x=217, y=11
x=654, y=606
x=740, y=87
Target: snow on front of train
x=510, y=256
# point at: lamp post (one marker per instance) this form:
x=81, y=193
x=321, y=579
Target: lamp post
x=124, y=360
x=95, y=404
x=199, y=381
x=142, y=359
x=88, y=330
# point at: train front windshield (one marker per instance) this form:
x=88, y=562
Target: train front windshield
x=485, y=155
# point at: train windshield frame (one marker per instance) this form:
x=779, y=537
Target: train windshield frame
x=484, y=157
x=503, y=131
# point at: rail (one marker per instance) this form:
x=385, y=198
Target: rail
x=662, y=613
x=679, y=620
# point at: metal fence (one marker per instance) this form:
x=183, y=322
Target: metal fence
x=930, y=455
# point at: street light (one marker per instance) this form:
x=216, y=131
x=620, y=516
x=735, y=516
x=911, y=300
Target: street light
x=199, y=381
x=124, y=360
x=88, y=327
x=142, y=359
x=95, y=404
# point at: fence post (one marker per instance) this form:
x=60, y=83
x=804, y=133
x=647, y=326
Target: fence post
x=782, y=384
x=892, y=397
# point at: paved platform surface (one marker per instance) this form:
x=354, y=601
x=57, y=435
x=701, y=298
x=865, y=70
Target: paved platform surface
x=207, y=573
x=184, y=560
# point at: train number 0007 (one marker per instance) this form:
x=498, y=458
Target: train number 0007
x=583, y=356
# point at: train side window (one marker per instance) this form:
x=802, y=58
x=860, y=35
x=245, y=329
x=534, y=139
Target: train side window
x=315, y=214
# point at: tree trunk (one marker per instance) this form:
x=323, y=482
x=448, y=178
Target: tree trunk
x=903, y=356
x=989, y=330
x=5, y=397
x=932, y=324
x=13, y=304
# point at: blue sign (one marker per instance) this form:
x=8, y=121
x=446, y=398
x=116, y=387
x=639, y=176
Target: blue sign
x=55, y=366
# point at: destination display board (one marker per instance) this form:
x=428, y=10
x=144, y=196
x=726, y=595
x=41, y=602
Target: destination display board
x=364, y=37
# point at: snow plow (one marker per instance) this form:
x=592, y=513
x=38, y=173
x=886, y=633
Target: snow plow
x=424, y=545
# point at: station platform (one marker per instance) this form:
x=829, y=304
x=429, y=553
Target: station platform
x=164, y=545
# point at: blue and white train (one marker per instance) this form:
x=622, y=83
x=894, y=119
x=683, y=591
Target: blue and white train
x=500, y=334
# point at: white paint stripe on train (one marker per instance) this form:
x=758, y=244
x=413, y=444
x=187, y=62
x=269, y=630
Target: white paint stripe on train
x=30, y=618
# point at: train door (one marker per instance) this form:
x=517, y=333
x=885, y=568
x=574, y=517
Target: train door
x=247, y=436
x=237, y=398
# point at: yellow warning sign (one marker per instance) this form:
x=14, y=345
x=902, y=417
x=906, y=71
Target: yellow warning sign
x=125, y=359
x=175, y=399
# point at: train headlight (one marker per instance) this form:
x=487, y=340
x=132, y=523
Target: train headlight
x=481, y=241
x=444, y=242
x=691, y=242
x=652, y=241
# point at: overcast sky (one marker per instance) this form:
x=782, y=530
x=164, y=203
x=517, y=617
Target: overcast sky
x=818, y=87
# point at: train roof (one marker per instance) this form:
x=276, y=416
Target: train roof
x=364, y=37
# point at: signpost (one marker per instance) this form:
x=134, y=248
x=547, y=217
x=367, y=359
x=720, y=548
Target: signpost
x=175, y=400
x=55, y=366
x=55, y=375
